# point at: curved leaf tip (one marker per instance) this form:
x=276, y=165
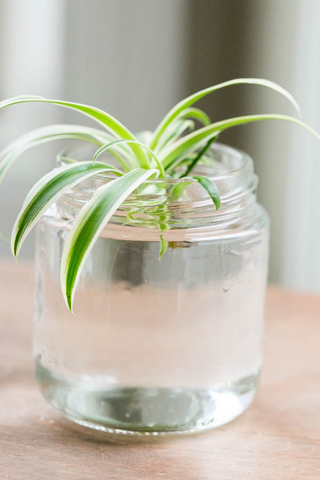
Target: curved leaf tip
x=211, y=189
x=88, y=225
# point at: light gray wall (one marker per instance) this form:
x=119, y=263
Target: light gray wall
x=31, y=56
x=278, y=40
x=127, y=56
x=302, y=235
x=273, y=56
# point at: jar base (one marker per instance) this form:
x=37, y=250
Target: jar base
x=147, y=411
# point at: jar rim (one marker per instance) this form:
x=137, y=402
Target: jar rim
x=230, y=169
x=244, y=160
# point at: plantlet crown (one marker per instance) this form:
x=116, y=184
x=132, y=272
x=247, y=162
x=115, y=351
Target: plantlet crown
x=174, y=147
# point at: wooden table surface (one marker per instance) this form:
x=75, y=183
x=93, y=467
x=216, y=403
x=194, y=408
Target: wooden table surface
x=277, y=438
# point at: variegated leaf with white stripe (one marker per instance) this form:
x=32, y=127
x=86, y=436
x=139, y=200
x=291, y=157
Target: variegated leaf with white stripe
x=103, y=118
x=187, y=102
x=90, y=222
x=194, y=140
x=184, y=116
x=174, y=131
x=113, y=144
x=47, y=191
x=46, y=134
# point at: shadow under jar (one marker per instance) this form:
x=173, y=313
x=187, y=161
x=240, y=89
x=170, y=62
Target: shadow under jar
x=157, y=346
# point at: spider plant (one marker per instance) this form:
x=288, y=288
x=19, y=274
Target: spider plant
x=175, y=143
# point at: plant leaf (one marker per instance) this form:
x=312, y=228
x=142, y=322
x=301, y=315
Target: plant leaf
x=195, y=139
x=173, y=132
x=211, y=189
x=198, y=157
x=144, y=137
x=180, y=124
x=103, y=118
x=196, y=114
x=117, y=142
x=178, y=190
x=46, y=191
x=90, y=222
x=163, y=246
x=177, y=109
x=47, y=134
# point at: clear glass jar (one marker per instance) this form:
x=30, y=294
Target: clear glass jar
x=157, y=346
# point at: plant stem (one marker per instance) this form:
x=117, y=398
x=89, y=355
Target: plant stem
x=198, y=157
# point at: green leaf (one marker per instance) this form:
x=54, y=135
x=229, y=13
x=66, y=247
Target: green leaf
x=187, y=102
x=117, y=142
x=163, y=246
x=90, y=222
x=173, y=132
x=178, y=190
x=48, y=190
x=180, y=124
x=103, y=118
x=196, y=139
x=211, y=189
x=47, y=134
x=198, y=157
x=196, y=114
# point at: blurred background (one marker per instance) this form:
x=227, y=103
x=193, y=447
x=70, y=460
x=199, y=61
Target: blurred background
x=136, y=59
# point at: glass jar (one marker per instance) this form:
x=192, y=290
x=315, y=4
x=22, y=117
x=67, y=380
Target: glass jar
x=157, y=346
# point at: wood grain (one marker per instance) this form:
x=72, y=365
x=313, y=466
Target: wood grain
x=277, y=438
